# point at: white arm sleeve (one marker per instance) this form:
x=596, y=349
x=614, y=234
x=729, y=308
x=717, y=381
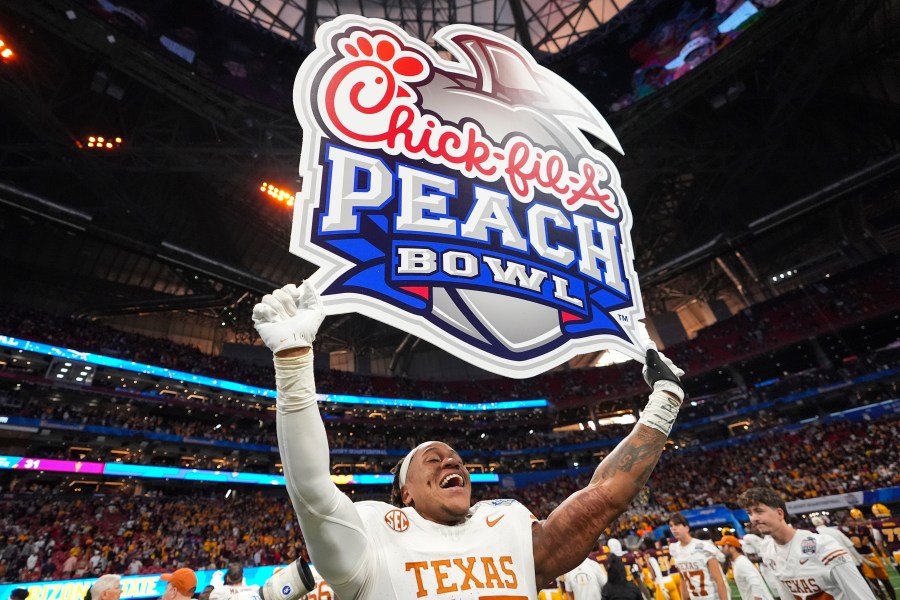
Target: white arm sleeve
x=844, y=541
x=851, y=582
x=784, y=592
x=857, y=557
x=331, y=526
x=757, y=586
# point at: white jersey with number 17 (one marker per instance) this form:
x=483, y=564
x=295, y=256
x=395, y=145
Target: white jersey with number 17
x=692, y=562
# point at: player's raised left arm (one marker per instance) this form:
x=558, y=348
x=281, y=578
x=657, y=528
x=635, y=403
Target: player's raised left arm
x=570, y=532
x=287, y=321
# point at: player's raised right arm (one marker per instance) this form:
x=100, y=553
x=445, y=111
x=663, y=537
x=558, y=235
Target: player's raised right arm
x=565, y=538
x=287, y=321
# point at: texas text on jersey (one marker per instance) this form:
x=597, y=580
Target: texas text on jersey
x=815, y=567
x=692, y=562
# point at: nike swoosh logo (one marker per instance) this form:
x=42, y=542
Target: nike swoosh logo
x=804, y=561
x=491, y=523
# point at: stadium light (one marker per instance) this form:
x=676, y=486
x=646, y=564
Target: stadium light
x=278, y=194
x=624, y=417
x=6, y=53
x=99, y=142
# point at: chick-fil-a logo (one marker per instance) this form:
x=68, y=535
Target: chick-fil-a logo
x=459, y=199
x=371, y=100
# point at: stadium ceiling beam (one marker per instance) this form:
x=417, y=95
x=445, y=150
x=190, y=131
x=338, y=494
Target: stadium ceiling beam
x=33, y=110
x=172, y=255
x=273, y=22
x=522, y=31
x=173, y=304
x=798, y=79
x=570, y=21
x=721, y=245
x=199, y=96
x=310, y=17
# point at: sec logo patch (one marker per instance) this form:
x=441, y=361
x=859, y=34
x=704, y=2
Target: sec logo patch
x=397, y=521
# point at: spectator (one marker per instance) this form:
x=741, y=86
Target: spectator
x=617, y=585
x=234, y=584
x=181, y=584
x=69, y=566
x=134, y=568
x=107, y=587
x=18, y=594
x=750, y=583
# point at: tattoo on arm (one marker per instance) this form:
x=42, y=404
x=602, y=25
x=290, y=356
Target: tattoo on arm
x=576, y=523
x=638, y=455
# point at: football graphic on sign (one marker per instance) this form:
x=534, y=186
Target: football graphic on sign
x=458, y=199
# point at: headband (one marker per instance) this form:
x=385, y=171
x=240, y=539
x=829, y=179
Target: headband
x=404, y=466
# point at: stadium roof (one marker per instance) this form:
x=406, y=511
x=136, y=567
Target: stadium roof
x=539, y=25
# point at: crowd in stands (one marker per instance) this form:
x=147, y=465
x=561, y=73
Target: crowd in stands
x=816, y=460
x=497, y=447
x=793, y=317
x=65, y=536
x=485, y=435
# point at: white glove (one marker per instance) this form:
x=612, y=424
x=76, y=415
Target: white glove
x=289, y=317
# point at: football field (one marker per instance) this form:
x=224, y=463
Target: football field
x=895, y=578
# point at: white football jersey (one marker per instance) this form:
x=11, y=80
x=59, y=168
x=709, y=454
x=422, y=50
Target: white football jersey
x=321, y=591
x=814, y=567
x=586, y=580
x=752, y=545
x=691, y=561
x=490, y=554
x=231, y=592
x=748, y=580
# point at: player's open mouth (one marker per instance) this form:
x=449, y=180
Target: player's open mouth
x=451, y=481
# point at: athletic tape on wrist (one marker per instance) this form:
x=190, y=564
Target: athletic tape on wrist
x=295, y=381
x=660, y=412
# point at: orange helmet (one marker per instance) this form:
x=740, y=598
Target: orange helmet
x=880, y=510
x=856, y=514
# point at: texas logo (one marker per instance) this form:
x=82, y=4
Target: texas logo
x=455, y=196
